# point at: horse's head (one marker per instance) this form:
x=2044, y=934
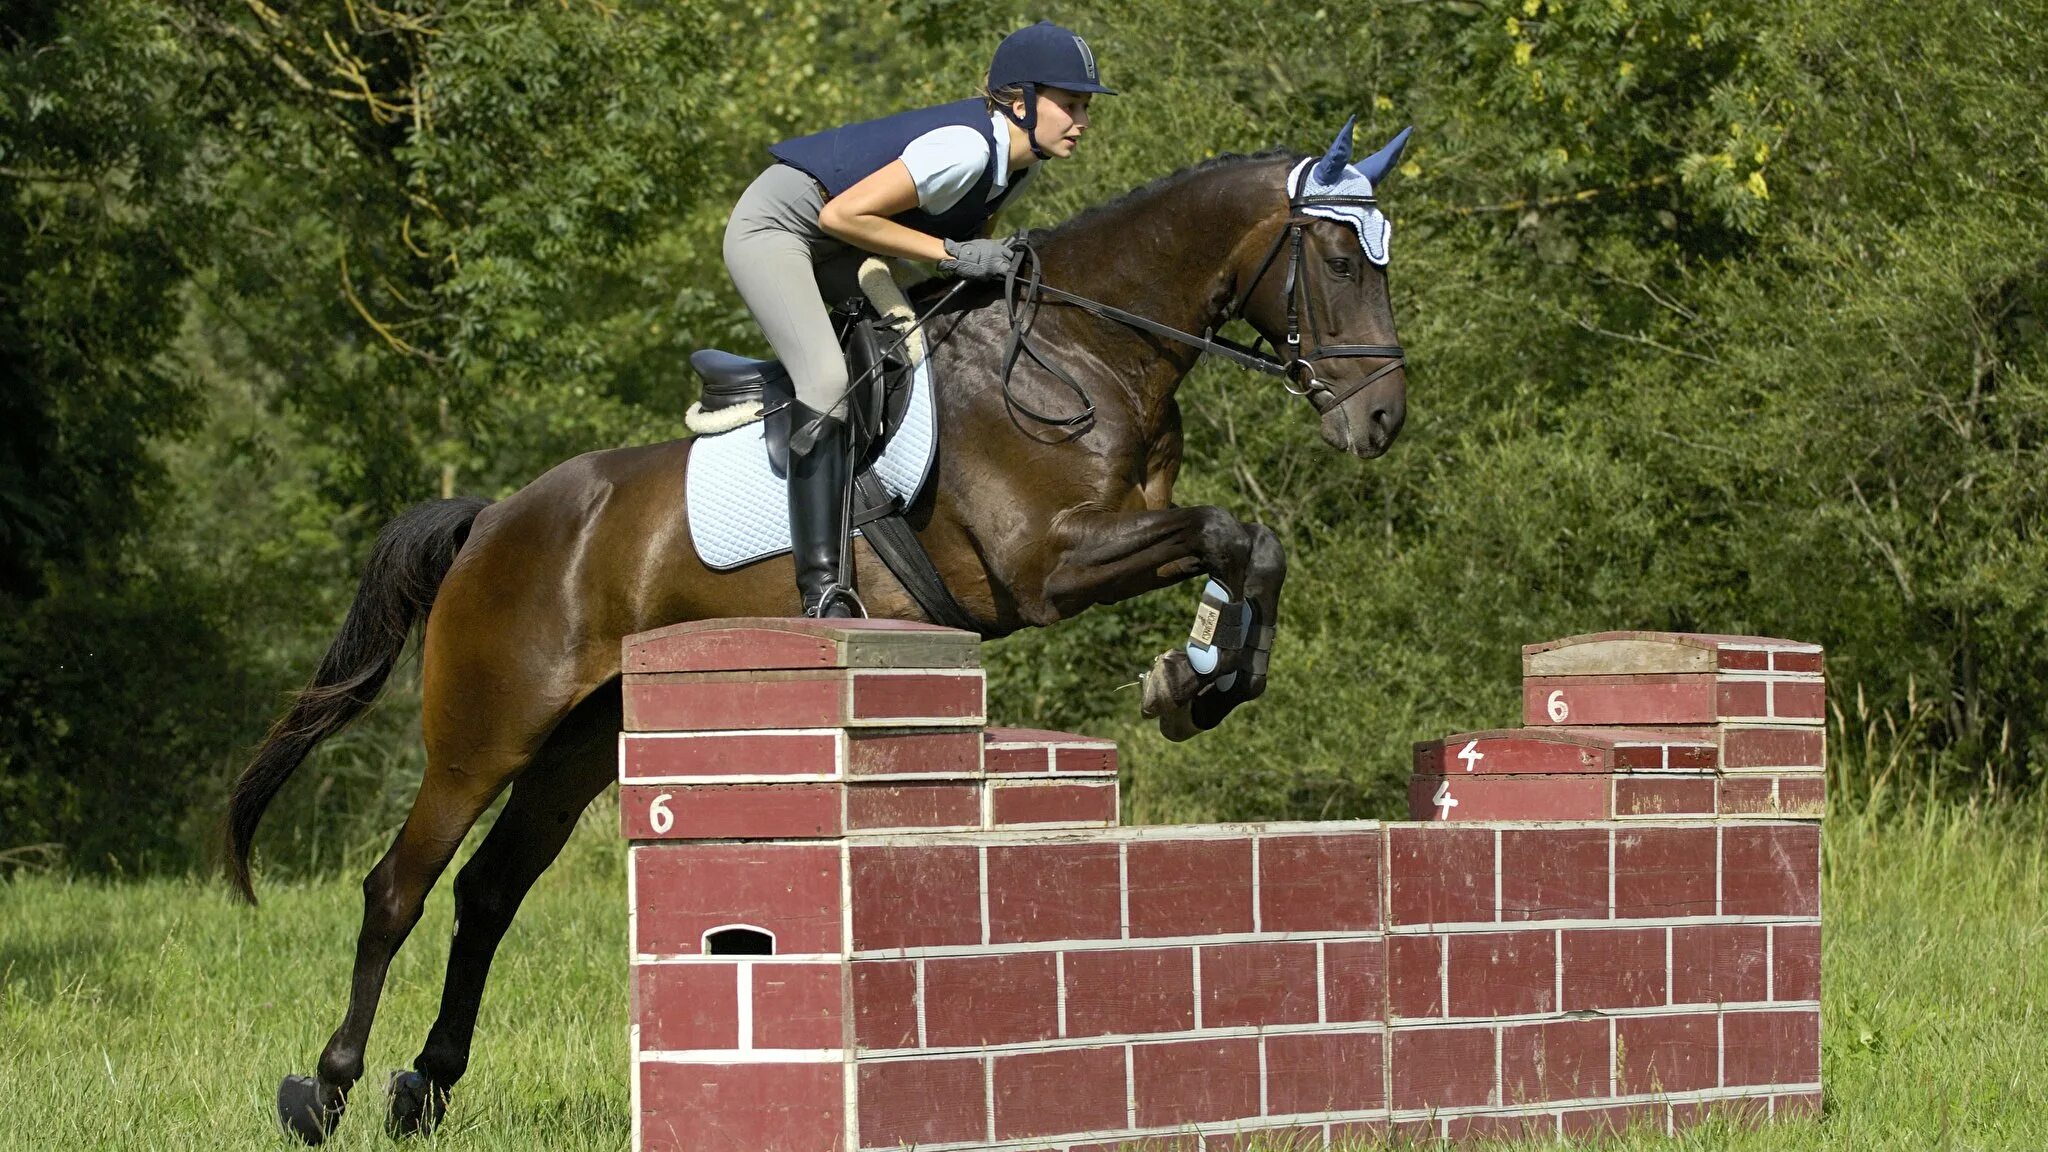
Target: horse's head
x=1320, y=295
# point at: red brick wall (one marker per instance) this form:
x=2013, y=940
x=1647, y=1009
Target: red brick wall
x=948, y=975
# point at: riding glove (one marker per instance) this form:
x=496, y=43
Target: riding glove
x=984, y=259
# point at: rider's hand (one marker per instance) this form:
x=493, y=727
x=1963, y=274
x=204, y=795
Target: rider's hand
x=984, y=259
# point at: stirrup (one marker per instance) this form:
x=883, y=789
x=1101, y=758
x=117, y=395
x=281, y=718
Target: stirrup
x=833, y=592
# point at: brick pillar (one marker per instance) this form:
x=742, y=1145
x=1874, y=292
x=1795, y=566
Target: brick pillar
x=1632, y=882
x=755, y=754
x=1628, y=725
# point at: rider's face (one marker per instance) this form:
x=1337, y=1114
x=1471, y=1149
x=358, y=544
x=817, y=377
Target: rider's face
x=1062, y=118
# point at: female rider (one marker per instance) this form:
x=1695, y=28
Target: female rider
x=923, y=184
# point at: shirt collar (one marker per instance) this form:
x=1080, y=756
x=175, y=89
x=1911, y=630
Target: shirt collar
x=1002, y=142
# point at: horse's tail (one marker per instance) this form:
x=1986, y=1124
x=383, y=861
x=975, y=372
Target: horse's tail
x=408, y=563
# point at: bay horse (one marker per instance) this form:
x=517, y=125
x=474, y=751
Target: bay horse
x=525, y=600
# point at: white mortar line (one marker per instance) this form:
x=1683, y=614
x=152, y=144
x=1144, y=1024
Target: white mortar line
x=1670, y=972
x=1123, y=888
x=1256, y=900
x=988, y=1083
x=1059, y=970
x=1720, y=1050
x=921, y=1041
x=1130, y=1089
x=981, y=855
x=1443, y=975
x=1557, y=945
x=1720, y=860
x=752, y=1056
x=1322, y=986
x=745, y=974
x=1770, y=962
x=1613, y=1059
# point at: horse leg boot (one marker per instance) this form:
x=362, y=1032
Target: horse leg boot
x=817, y=512
x=1106, y=556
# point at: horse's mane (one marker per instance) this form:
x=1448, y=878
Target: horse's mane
x=927, y=291
x=1144, y=191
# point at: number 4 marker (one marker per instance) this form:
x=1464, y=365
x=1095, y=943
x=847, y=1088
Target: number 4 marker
x=1444, y=801
x=1471, y=755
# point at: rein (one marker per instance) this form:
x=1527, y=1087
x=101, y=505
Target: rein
x=1022, y=313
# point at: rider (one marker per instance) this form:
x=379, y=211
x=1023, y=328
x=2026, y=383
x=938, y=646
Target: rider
x=923, y=184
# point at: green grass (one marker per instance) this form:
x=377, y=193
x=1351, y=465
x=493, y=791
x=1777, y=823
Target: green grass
x=160, y=1015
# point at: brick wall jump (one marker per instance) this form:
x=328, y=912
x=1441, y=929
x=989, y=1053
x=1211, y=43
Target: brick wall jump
x=861, y=921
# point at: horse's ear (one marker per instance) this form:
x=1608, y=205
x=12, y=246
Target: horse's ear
x=1330, y=168
x=1377, y=165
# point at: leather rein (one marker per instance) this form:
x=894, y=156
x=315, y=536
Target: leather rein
x=1297, y=369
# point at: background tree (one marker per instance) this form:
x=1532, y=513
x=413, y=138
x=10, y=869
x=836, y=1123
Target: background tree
x=1721, y=317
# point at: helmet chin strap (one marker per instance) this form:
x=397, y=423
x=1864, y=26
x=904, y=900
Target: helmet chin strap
x=1029, y=121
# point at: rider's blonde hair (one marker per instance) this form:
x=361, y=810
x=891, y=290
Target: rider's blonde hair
x=1002, y=97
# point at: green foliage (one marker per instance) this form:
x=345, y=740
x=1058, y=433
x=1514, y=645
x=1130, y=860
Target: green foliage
x=87, y=284
x=1721, y=316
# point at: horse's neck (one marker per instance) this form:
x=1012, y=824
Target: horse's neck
x=1167, y=254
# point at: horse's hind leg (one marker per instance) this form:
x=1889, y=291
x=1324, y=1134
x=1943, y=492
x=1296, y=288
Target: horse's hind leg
x=577, y=764
x=448, y=805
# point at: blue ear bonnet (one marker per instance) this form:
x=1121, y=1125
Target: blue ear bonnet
x=1335, y=175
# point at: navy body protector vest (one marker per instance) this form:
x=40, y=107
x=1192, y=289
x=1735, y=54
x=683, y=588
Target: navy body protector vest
x=839, y=158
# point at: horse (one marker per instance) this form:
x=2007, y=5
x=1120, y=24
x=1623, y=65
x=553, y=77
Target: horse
x=525, y=601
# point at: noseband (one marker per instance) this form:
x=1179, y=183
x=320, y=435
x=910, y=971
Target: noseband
x=1296, y=369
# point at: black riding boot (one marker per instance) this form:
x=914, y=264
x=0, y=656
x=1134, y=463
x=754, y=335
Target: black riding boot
x=817, y=493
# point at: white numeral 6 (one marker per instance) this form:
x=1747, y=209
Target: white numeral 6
x=1557, y=708
x=659, y=815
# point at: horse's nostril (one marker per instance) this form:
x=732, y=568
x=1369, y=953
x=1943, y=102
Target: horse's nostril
x=1383, y=419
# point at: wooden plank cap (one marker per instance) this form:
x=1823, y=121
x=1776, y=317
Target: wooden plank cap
x=1628, y=653
x=793, y=643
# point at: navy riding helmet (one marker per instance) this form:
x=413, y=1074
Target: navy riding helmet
x=1044, y=55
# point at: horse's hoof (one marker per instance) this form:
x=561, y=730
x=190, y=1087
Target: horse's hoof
x=416, y=1105
x=1168, y=686
x=301, y=1112
x=1178, y=725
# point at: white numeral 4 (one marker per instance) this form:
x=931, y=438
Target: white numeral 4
x=1444, y=801
x=1471, y=755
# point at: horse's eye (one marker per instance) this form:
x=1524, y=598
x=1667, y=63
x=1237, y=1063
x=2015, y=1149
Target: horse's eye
x=1340, y=267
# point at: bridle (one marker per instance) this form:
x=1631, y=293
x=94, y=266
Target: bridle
x=1300, y=367
x=1297, y=370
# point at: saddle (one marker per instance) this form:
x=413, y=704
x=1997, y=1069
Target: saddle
x=738, y=389
x=879, y=336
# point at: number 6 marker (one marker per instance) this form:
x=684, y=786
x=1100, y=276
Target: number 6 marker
x=659, y=816
x=1557, y=708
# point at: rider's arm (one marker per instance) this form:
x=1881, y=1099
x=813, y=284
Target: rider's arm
x=860, y=216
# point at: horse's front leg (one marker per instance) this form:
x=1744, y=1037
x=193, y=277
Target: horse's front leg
x=1103, y=556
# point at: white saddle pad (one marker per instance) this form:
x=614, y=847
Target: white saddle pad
x=739, y=507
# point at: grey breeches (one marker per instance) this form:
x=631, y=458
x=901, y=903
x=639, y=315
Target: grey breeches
x=786, y=267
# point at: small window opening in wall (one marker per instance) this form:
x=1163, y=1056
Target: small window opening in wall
x=739, y=940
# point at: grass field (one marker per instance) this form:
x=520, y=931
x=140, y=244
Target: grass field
x=160, y=1015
